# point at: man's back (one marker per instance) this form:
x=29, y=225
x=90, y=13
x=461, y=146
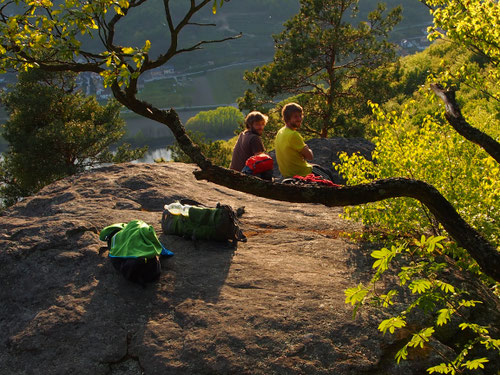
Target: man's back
x=289, y=144
x=248, y=145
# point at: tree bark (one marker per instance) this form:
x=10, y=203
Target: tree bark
x=458, y=122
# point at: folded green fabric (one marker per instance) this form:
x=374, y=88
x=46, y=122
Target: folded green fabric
x=133, y=240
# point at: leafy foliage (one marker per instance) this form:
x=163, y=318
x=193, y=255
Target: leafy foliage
x=216, y=124
x=473, y=24
x=461, y=171
x=413, y=139
x=54, y=131
x=422, y=270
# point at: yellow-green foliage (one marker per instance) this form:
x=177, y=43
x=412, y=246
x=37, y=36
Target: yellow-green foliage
x=216, y=124
x=414, y=140
x=433, y=152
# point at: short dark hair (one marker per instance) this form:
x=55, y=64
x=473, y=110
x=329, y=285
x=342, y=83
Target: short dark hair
x=290, y=109
x=254, y=116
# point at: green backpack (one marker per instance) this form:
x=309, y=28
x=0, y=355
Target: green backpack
x=202, y=223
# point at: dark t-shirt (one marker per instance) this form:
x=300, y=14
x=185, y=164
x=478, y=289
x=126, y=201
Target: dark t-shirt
x=248, y=144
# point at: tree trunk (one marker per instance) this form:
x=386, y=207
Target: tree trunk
x=458, y=122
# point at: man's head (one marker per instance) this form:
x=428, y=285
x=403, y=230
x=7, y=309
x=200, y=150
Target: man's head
x=292, y=115
x=255, y=122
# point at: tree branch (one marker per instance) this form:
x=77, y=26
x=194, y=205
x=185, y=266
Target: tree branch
x=458, y=122
x=485, y=254
x=197, y=45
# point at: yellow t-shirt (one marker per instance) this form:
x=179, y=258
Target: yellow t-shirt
x=288, y=145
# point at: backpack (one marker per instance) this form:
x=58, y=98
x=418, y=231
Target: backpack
x=258, y=164
x=138, y=270
x=134, y=250
x=204, y=223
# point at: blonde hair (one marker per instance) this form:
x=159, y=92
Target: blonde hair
x=254, y=116
x=290, y=109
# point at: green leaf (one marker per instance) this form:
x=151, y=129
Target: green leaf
x=444, y=316
x=402, y=354
x=355, y=295
x=391, y=324
x=128, y=50
x=420, y=286
x=475, y=364
x=420, y=338
x=445, y=287
x=442, y=368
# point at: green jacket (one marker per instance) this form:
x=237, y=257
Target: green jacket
x=134, y=240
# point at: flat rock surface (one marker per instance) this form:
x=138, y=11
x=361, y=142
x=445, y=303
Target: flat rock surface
x=273, y=305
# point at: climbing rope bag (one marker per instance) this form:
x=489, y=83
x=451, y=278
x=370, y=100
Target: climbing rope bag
x=134, y=250
x=202, y=223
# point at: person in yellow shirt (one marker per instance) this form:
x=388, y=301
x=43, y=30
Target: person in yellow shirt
x=292, y=153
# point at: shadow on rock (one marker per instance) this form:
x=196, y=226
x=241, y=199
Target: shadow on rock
x=198, y=269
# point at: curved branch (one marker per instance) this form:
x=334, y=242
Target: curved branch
x=458, y=122
x=485, y=254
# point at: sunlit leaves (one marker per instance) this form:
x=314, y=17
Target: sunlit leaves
x=49, y=33
x=444, y=316
x=475, y=364
x=442, y=368
x=476, y=25
x=384, y=256
x=434, y=152
x=355, y=295
x=391, y=324
x=214, y=6
x=473, y=22
x=420, y=286
x=445, y=287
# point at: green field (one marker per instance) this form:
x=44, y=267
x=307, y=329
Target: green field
x=165, y=93
x=228, y=84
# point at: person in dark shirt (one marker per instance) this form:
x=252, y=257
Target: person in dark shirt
x=249, y=142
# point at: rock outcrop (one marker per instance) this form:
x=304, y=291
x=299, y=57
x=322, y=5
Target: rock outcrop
x=273, y=305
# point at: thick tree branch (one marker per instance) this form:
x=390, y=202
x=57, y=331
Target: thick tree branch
x=458, y=122
x=485, y=254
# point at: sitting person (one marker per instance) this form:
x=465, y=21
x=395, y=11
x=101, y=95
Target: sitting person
x=292, y=153
x=249, y=142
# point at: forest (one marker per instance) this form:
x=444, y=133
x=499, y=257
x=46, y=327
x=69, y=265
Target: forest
x=431, y=201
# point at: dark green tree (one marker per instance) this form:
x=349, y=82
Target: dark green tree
x=326, y=60
x=55, y=131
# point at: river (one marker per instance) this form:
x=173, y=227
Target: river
x=154, y=154
x=154, y=130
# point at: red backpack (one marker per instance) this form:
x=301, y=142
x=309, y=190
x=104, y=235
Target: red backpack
x=257, y=164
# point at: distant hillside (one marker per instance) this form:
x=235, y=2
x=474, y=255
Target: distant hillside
x=257, y=20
